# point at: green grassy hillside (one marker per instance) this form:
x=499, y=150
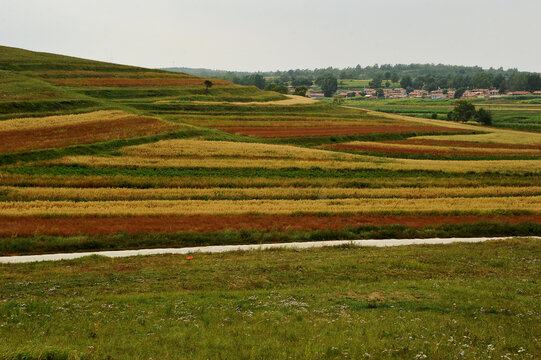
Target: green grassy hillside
x=36, y=84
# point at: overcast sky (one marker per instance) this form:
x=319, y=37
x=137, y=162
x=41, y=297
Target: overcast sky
x=279, y=34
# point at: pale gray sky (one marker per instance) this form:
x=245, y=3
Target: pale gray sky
x=279, y=34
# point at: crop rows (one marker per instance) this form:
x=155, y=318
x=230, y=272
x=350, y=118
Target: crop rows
x=88, y=194
x=394, y=148
x=62, y=131
x=260, y=165
x=133, y=82
x=191, y=207
x=234, y=164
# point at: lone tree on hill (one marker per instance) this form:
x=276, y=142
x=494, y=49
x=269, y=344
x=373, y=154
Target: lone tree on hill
x=208, y=85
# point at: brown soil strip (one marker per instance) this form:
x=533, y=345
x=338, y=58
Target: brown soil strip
x=466, y=144
x=134, y=82
x=381, y=148
x=28, y=226
x=286, y=132
x=82, y=133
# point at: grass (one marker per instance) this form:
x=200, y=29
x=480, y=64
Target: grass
x=455, y=301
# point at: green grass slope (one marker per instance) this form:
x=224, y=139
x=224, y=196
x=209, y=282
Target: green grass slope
x=40, y=84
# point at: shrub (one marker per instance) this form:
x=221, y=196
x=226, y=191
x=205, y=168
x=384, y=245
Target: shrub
x=483, y=116
x=300, y=90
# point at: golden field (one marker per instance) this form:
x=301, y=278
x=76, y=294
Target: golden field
x=192, y=207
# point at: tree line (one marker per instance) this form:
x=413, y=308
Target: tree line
x=411, y=77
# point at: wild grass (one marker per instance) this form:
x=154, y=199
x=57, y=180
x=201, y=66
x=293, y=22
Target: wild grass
x=449, y=301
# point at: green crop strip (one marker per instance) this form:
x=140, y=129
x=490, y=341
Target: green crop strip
x=47, y=244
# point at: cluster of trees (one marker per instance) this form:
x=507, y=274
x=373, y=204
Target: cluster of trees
x=414, y=76
x=480, y=80
x=465, y=111
x=282, y=89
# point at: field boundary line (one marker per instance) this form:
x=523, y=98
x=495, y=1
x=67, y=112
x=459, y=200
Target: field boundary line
x=249, y=247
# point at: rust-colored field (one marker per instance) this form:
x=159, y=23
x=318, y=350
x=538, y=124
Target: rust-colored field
x=28, y=226
x=81, y=133
x=134, y=82
x=466, y=144
x=297, y=131
x=438, y=151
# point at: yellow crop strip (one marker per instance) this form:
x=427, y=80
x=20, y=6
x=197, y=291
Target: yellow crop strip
x=60, y=120
x=192, y=207
x=457, y=166
x=500, y=136
x=67, y=193
x=200, y=148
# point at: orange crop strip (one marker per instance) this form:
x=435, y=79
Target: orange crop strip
x=29, y=226
x=134, y=82
x=382, y=148
x=466, y=144
x=286, y=132
x=81, y=133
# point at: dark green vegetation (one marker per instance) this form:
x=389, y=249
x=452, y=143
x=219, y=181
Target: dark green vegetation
x=470, y=301
x=41, y=244
x=413, y=76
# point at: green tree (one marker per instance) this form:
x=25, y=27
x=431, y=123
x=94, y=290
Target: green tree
x=282, y=89
x=518, y=82
x=328, y=84
x=208, y=85
x=459, y=92
x=300, y=90
x=406, y=82
x=463, y=111
x=483, y=116
x=259, y=81
x=481, y=80
x=533, y=82
x=498, y=81
x=376, y=81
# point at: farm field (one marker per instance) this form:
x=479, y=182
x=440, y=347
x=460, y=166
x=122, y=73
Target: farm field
x=521, y=113
x=99, y=156
x=103, y=156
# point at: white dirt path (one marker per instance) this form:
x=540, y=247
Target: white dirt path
x=229, y=248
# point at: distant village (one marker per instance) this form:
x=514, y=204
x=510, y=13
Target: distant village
x=400, y=93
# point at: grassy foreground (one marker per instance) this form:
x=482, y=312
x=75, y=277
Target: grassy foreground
x=470, y=301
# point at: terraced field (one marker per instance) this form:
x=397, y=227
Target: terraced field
x=93, y=151
x=102, y=156
x=519, y=112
